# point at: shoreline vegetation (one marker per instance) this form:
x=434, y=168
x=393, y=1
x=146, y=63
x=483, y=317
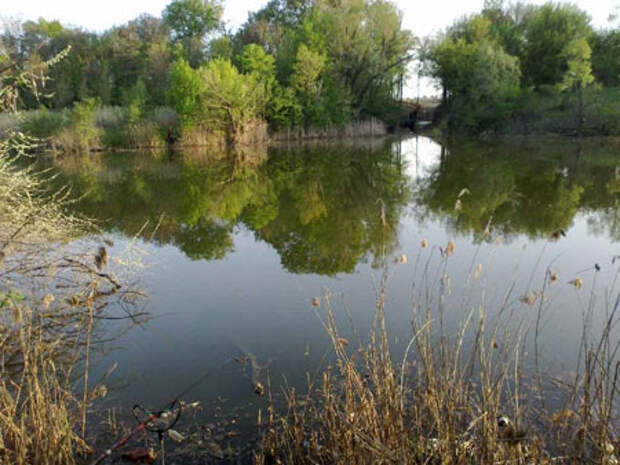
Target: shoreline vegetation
x=312, y=69
x=83, y=129
x=455, y=398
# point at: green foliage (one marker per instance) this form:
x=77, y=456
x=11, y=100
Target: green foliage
x=136, y=100
x=494, y=65
x=307, y=71
x=190, y=21
x=44, y=123
x=606, y=56
x=221, y=47
x=318, y=62
x=549, y=29
x=284, y=109
x=185, y=94
x=579, y=72
x=231, y=99
x=479, y=78
x=83, y=115
x=192, y=18
x=253, y=59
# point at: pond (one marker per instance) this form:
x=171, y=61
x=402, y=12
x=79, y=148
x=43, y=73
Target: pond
x=237, y=251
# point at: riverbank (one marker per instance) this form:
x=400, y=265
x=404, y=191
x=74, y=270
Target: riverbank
x=545, y=112
x=88, y=128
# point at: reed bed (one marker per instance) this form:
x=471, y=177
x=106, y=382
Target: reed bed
x=468, y=396
x=367, y=128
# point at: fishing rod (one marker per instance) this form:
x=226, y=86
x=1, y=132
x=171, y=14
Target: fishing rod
x=144, y=424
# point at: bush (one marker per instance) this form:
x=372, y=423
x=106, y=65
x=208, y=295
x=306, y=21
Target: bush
x=44, y=123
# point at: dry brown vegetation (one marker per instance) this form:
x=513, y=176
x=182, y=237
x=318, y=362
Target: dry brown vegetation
x=460, y=398
x=368, y=128
x=54, y=286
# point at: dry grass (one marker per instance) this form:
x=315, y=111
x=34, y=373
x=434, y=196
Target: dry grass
x=52, y=288
x=460, y=398
x=369, y=128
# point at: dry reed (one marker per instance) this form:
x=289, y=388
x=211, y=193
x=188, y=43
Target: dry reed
x=458, y=398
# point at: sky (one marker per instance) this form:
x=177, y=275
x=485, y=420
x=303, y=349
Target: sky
x=422, y=17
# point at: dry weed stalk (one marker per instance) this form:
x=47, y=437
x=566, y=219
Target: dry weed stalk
x=454, y=399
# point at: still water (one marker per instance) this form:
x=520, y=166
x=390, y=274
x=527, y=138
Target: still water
x=235, y=251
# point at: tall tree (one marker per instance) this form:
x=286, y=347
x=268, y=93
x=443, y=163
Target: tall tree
x=190, y=21
x=548, y=30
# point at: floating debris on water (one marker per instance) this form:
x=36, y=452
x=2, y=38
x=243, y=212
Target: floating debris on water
x=597, y=267
x=424, y=244
x=316, y=302
x=215, y=450
x=503, y=422
x=343, y=342
x=432, y=444
x=402, y=259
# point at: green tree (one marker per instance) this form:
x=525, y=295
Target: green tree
x=578, y=75
x=548, y=30
x=606, y=56
x=231, y=99
x=254, y=59
x=186, y=93
x=477, y=75
x=190, y=21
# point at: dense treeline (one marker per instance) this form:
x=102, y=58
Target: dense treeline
x=310, y=63
x=503, y=68
x=512, y=68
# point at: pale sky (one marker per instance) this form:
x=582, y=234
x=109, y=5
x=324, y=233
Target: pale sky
x=422, y=17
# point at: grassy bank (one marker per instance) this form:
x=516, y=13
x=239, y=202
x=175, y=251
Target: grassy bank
x=546, y=111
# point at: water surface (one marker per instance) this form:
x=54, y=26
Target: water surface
x=237, y=250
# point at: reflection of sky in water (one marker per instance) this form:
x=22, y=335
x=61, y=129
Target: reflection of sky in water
x=205, y=312
x=421, y=155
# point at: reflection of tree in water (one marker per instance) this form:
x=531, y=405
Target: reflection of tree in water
x=519, y=188
x=320, y=208
x=329, y=208
x=606, y=221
